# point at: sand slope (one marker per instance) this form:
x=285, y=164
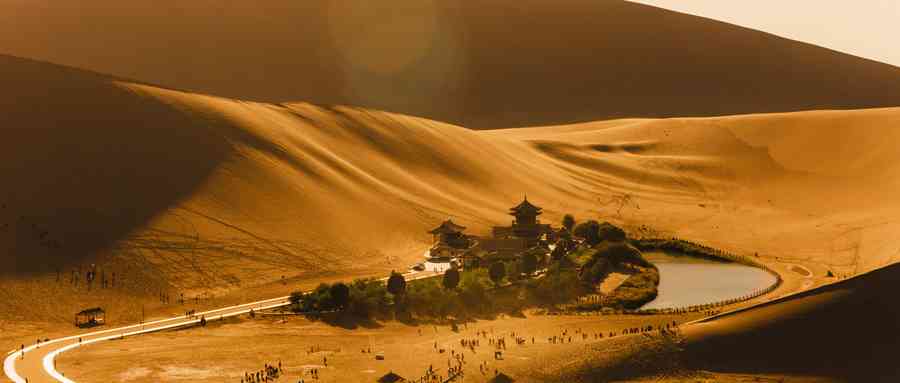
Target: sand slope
x=847, y=330
x=479, y=64
x=206, y=194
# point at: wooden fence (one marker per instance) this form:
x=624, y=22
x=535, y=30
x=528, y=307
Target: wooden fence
x=706, y=252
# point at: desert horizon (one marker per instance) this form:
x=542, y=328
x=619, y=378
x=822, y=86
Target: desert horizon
x=476, y=201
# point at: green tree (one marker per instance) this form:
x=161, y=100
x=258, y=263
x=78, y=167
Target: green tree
x=529, y=263
x=595, y=271
x=513, y=270
x=497, y=271
x=319, y=299
x=426, y=297
x=451, y=278
x=340, y=295
x=589, y=231
x=368, y=297
x=620, y=252
x=568, y=222
x=473, y=290
x=556, y=286
x=396, y=284
x=296, y=297
x=609, y=232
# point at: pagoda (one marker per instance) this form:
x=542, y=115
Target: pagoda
x=448, y=237
x=525, y=226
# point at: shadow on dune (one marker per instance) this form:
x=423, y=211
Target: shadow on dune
x=849, y=330
x=480, y=64
x=81, y=149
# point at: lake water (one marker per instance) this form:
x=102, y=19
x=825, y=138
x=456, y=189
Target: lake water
x=686, y=281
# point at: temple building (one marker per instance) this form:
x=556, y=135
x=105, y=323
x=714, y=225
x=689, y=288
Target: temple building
x=447, y=239
x=525, y=226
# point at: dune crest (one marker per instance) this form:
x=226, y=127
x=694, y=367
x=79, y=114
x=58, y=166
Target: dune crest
x=482, y=65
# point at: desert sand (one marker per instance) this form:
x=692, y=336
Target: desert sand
x=478, y=64
x=224, y=353
x=224, y=199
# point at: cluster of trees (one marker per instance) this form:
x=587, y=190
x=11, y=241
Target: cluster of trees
x=457, y=293
x=594, y=232
x=512, y=270
x=608, y=248
x=464, y=294
x=559, y=284
x=677, y=246
x=363, y=298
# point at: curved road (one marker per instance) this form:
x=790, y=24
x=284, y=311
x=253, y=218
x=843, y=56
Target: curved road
x=35, y=364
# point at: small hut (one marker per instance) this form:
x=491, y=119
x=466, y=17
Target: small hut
x=391, y=377
x=501, y=378
x=90, y=317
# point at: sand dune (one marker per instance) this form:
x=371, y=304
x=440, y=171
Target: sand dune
x=177, y=190
x=847, y=330
x=479, y=64
x=210, y=194
x=183, y=191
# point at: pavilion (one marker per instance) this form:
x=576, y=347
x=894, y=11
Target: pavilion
x=391, y=377
x=450, y=234
x=90, y=317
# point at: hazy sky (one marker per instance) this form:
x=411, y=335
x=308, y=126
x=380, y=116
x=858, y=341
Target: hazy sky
x=866, y=28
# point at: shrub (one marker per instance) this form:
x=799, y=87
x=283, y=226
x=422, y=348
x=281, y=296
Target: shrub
x=296, y=298
x=589, y=231
x=497, y=271
x=473, y=290
x=427, y=298
x=637, y=290
x=340, y=295
x=317, y=300
x=677, y=246
x=451, y=278
x=367, y=298
x=556, y=286
x=529, y=263
x=618, y=253
x=513, y=270
x=568, y=222
x=609, y=232
x=396, y=284
x=595, y=270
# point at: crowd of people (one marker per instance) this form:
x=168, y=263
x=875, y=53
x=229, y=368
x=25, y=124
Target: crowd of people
x=456, y=359
x=269, y=373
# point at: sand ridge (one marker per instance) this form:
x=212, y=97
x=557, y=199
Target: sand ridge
x=546, y=63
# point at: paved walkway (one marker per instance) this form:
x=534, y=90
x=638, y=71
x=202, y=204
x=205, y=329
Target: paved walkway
x=37, y=365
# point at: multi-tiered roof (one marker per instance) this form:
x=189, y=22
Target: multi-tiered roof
x=525, y=209
x=448, y=227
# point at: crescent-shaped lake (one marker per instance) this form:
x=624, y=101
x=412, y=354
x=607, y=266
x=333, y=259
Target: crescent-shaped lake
x=687, y=281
